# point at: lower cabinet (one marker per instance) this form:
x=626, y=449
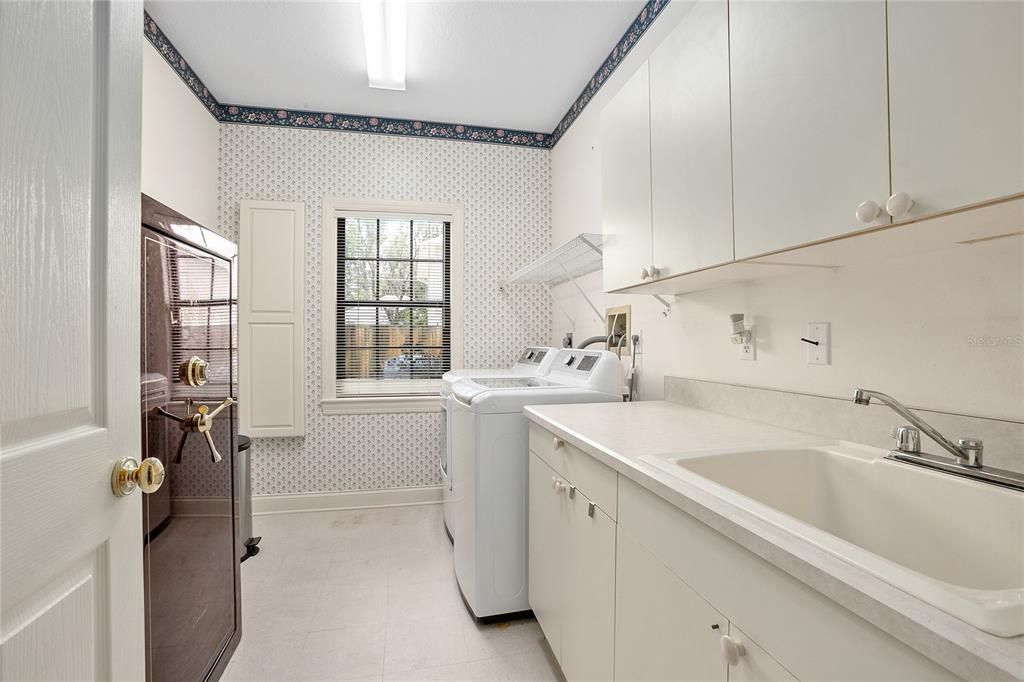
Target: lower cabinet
x=548, y=520
x=663, y=629
x=753, y=664
x=643, y=591
x=666, y=631
x=572, y=574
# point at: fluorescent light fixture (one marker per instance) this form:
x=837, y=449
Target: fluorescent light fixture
x=384, y=35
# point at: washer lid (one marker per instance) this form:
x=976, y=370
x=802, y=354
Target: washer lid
x=470, y=389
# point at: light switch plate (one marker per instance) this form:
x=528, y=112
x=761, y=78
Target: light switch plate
x=822, y=353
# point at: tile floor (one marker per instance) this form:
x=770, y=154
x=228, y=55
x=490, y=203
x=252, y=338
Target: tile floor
x=370, y=595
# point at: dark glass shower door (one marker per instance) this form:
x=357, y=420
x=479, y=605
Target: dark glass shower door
x=191, y=556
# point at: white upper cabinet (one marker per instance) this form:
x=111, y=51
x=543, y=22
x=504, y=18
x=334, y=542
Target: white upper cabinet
x=955, y=99
x=809, y=120
x=690, y=143
x=626, y=183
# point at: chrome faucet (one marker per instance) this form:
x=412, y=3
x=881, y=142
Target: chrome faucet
x=966, y=451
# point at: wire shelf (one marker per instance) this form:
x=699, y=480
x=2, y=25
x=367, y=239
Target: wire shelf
x=579, y=256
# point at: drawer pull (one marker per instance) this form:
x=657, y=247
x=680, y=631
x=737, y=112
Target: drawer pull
x=558, y=442
x=590, y=509
x=572, y=492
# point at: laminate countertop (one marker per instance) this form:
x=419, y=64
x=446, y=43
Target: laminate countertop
x=620, y=434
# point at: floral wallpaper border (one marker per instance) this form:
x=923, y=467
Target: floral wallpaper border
x=322, y=120
x=166, y=48
x=236, y=113
x=651, y=10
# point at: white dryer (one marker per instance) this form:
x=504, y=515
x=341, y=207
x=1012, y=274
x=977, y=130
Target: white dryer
x=533, y=361
x=490, y=452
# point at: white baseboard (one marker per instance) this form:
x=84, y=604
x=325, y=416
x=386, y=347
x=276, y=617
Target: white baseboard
x=358, y=499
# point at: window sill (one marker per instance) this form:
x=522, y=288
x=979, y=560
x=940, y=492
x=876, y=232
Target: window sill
x=380, y=405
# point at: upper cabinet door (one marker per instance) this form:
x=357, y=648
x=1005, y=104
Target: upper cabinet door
x=690, y=143
x=626, y=182
x=809, y=119
x=955, y=98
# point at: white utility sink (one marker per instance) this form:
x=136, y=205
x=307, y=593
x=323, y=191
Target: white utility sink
x=949, y=541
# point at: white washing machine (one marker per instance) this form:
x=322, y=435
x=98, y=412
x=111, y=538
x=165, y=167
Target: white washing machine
x=533, y=361
x=490, y=453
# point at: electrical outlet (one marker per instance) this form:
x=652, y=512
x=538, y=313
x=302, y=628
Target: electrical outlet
x=748, y=351
x=821, y=352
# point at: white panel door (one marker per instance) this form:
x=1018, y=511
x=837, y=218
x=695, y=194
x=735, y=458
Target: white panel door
x=663, y=629
x=588, y=633
x=956, y=99
x=691, y=158
x=809, y=119
x=626, y=182
x=271, y=376
x=70, y=78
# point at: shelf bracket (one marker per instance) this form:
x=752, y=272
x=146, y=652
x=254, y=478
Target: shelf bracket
x=579, y=289
x=561, y=308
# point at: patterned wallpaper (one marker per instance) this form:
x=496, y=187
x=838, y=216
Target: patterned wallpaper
x=507, y=198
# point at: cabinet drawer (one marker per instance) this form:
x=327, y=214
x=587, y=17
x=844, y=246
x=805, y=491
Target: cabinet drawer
x=595, y=480
x=812, y=636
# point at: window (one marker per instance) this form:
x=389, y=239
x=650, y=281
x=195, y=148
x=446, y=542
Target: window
x=393, y=283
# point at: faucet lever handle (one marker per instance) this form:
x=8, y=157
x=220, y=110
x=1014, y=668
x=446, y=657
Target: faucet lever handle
x=972, y=449
x=908, y=439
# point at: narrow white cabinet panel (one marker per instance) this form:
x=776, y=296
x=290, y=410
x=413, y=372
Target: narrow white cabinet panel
x=271, y=241
x=809, y=120
x=753, y=664
x=663, y=629
x=588, y=635
x=691, y=158
x=547, y=551
x=626, y=182
x=956, y=101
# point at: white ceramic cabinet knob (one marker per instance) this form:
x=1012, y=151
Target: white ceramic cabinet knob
x=644, y=274
x=558, y=485
x=653, y=271
x=868, y=212
x=899, y=205
x=732, y=650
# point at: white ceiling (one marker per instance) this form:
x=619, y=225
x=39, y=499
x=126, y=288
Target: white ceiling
x=507, y=64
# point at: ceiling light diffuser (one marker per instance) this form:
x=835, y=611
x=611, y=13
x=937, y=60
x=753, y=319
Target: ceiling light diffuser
x=384, y=29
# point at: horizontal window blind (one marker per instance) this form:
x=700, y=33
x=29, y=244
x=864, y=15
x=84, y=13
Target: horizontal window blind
x=393, y=316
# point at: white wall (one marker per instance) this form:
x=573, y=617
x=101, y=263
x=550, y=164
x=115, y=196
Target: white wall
x=180, y=143
x=907, y=326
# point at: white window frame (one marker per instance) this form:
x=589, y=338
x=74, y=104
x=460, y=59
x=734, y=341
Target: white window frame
x=332, y=209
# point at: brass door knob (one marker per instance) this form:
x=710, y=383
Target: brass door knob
x=129, y=474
